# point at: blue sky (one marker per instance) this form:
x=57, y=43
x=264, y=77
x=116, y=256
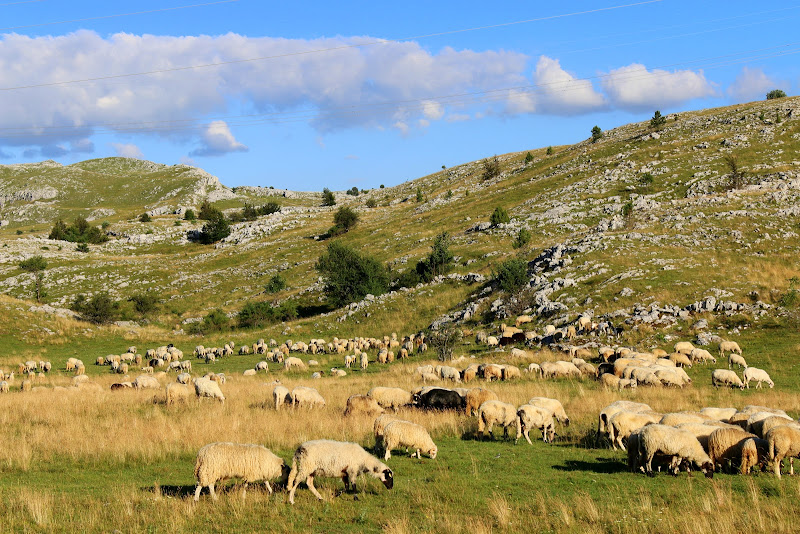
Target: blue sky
x=366, y=93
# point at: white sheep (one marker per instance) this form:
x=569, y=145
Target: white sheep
x=409, y=435
x=684, y=347
x=327, y=458
x=729, y=346
x=183, y=378
x=529, y=417
x=362, y=404
x=555, y=407
x=726, y=377
x=292, y=362
x=281, y=396
x=670, y=441
x=494, y=412
x=262, y=366
x=783, y=442
x=177, y=392
x=364, y=360
x=622, y=424
x=718, y=414
x=614, y=407
x=146, y=382
x=758, y=375
x=392, y=398
x=702, y=355
x=736, y=359
x=207, y=387
x=308, y=397
x=252, y=463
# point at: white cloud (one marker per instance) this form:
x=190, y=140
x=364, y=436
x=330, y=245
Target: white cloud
x=128, y=150
x=635, y=88
x=218, y=140
x=457, y=117
x=432, y=110
x=753, y=84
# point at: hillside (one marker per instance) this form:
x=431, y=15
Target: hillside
x=690, y=244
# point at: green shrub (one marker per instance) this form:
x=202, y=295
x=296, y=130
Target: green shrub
x=20, y=232
x=145, y=218
x=776, y=93
x=208, y=212
x=528, y=157
x=646, y=180
x=658, y=121
x=499, y=216
x=491, y=168
x=82, y=247
x=522, y=239
x=144, y=303
x=343, y=220
x=214, y=230
x=36, y=266
x=372, y=203
x=105, y=225
x=100, y=309
x=328, y=199
x=511, y=275
x=276, y=283
x=439, y=261
x=215, y=321
x=262, y=314
x=597, y=134
x=349, y=276
x=80, y=231
x=420, y=196
x=190, y=215
x=353, y=191
x=549, y=151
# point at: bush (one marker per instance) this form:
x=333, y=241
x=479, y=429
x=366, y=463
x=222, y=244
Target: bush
x=261, y=314
x=549, y=151
x=276, y=283
x=144, y=303
x=444, y=341
x=349, y=276
x=269, y=208
x=82, y=247
x=658, y=121
x=491, y=168
x=646, y=180
x=776, y=93
x=499, y=216
x=145, y=218
x=522, y=239
x=738, y=177
x=511, y=275
x=420, y=196
x=372, y=203
x=214, y=230
x=20, y=232
x=528, y=157
x=36, y=266
x=209, y=212
x=79, y=232
x=328, y=199
x=105, y=224
x=215, y=321
x=343, y=220
x=439, y=261
x=100, y=309
x=353, y=191
x=597, y=134
x=190, y=215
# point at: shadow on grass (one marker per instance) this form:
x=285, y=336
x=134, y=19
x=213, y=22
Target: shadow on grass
x=599, y=465
x=174, y=491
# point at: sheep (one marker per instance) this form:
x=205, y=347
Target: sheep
x=702, y=355
x=392, y=398
x=754, y=451
x=207, y=387
x=146, y=382
x=621, y=424
x=559, y=370
x=719, y=414
x=308, y=397
x=529, y=417
x=784, y=442
x=379, y=426
x=725, y=444
x=349, y=360
x=618, y=406
x=495, y=411
x=447, y=372
x=219, y=461
x=555, y=407
x=608, y=380
x=684, y=347
x=736, y=359
x=364, y=361
x=679, y=444
x=292, y=362
x=183, y=378
x=680, y=359
x=477, y=396
x=362, y=404
x=281, y=396
x=327, y=458
x=729, y=346
x=761, y=427
x=177, y=392
x=758, y=375
x=726, y=377
x=679, y=418
x=532, y=368
x=338, y=373
x=405, y=434
x=492, y=371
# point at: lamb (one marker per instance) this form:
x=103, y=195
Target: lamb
x=679, y=444
x=532, y=368
x=758, y=375
x=392, y=398
x=206, y=387
x=736, y=359
x=784, y=442
x=328, y=458
x=529, y=417
x=724, y=444
x=726, y=377
x=292, y=362
x=622, y=424
x=729, y=346
x=406, y=434
x=308, y=397
x=219, y=461
x=349, y=360
x=281, y=396
x=362, y=404
x=495, y=411
x=477, y=396
x=177, y=392
x=554, y=406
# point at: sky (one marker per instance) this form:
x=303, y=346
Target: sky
x=306, y=95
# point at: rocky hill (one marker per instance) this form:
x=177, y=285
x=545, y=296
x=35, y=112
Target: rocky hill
x=645, y=227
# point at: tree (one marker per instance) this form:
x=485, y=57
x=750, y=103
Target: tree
x=491, y=168
x=444, y=340
x=190, y=215
x=528, y=158
x=776, y=93
x=353, y=191
x=439, y=261
x=499, y=216
x=372, y=203
x=343, y=220
x=349, y=276
x=144, y=303
x=522, y=239
x=549, y=151
x=597, y=134
x=738, y=177
x=215, y=229
x=658, y=121
x=328, y=199
x=511, y=275
x=36, y=266
x=627, y=213
x=145, y=218
x=276, y=283
x=80, y=231
x=100, y=309
x=420, y=196
x=208, y=212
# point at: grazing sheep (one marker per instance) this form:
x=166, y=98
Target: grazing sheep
x=679, y=444
x=718, y=414
x=554, y=406
x=501, y=413
x=262, y=366
x=702, y=355
x=405, y=434
x=439, y=399
x=379, y=426
x=219, y=461
x=784, y=442
x=618, y=406
x=622, y=424
x=559, y=370
x=533, y=368
x=510, y=371
x=308, y=397
x=249, y=372
x=326, y=458
x=680, y=359
x=684, y=347
x=729, y=346
x=679, y=418
x=492, y=371
x=364, y=360
x=392, y=398
x=477, y=396
x=736, y=359
x=608, y=380
x=724, y=444
x=754, y=451
x=761, y=427
x=292, y=362
x=726, y=377
x=281, y=396
x=338, y=373
x=178, y=392
x=362, y=404
x=183, y=378
x=758, y=375
x=450, y=373
x=207, y=387
x=349, y=360
x=529, y=417
x=146, y=382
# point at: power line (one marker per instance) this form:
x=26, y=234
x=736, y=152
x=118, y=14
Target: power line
x=319, y=50
x=103, y=17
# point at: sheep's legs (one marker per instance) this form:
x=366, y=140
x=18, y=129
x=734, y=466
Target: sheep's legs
x=197, y=492
x=213, y=493
x=310, y=484
x=244, y=490
x=269, y=488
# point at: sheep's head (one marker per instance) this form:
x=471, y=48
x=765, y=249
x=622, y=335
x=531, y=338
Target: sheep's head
x=285, y=470
x=387, y=477
x=433, y=452
x=708, y=469
x=566, y=421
